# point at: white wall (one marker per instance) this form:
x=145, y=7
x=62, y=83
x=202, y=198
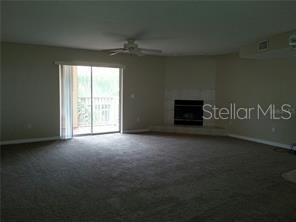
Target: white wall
x=189, y=78
x=248, y=82
x=30, y=89
x=228, y=79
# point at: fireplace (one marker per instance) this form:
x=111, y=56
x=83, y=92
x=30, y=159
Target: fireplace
x=188, y=112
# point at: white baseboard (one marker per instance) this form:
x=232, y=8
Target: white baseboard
x=266, y=142
x=33, y=140
x=136, y=131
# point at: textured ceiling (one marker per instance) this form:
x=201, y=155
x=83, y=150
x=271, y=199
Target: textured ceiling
x=177, y=28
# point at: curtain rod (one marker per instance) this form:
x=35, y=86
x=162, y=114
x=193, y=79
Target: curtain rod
x=84, y=63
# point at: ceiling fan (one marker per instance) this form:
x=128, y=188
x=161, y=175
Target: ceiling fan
x=132, y=48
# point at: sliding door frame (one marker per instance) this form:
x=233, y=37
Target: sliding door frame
x=121, y=99
x=91, y=102
x=120, y=108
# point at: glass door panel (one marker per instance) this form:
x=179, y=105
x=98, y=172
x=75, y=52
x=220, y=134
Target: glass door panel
x=106, y=91
x=82, y=102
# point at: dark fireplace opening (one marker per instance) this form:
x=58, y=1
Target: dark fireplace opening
x=188, y=112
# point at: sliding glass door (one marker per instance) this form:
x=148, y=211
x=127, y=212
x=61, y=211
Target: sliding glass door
x=96, y=100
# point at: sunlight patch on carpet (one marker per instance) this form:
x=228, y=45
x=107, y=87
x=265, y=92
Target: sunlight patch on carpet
x=290, y=176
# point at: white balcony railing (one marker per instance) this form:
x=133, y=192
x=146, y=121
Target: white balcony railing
x=105, y=111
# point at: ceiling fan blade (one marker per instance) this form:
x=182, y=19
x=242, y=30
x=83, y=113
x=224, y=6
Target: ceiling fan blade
x=108, y=50
x=115, y=52
x=154, y=51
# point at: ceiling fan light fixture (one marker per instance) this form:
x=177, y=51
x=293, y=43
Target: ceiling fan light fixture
x=132, y=48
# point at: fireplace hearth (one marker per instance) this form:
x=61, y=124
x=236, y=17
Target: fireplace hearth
x=188, y=112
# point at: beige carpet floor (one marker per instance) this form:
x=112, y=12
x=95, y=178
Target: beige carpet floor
x=147, y=178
